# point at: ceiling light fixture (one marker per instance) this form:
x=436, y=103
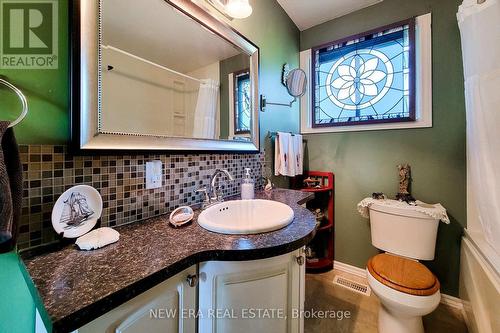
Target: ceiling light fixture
x=232, y=9
x=238, y=9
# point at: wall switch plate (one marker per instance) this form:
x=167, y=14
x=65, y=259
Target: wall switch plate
x=154, y=174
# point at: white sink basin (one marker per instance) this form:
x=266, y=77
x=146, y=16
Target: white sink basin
x=246, y=216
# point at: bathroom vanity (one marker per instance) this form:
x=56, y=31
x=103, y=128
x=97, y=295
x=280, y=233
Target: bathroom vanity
x=157, y=276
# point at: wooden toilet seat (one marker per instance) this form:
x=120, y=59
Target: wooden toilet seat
x=404, y=275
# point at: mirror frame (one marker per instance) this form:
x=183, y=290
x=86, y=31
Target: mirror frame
x=85, y=81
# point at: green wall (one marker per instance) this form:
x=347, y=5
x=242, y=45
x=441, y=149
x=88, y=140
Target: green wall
x=278, y=40
x=365, y=162
x=47, y=91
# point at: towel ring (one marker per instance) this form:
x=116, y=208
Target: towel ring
x=21, y=96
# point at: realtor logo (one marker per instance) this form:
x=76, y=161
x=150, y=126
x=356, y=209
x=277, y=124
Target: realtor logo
x=28, y=37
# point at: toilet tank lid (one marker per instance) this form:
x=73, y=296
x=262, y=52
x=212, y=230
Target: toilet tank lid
x=420, y=210
x=400, y=210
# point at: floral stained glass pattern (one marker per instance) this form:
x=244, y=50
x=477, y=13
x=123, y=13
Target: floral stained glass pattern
x=365, y=79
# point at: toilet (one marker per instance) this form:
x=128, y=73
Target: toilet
x=406, y=288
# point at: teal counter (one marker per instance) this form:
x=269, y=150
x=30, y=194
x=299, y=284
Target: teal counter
x=17, y=303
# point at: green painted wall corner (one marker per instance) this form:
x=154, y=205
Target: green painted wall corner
x=365, y=162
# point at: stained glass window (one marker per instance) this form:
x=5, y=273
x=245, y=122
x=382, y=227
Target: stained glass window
x=366, y=78
x=242, y=102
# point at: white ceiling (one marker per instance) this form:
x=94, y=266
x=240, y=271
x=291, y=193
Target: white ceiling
x=153, y=30
x=308, y=13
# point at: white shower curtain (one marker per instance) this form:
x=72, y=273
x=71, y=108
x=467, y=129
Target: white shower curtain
x=205, y=114
x=480, y=33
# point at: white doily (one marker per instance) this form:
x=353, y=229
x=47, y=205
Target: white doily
x=436, y=211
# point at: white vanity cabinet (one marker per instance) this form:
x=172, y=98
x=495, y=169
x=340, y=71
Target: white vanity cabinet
x=263, y=295
x=163, y=308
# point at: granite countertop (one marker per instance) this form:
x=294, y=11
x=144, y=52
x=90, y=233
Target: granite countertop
x=79, y=286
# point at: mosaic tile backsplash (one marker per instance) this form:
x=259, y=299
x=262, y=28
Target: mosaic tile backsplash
x=49, y=170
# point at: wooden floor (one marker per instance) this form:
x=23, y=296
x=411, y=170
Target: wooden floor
x=322, y=294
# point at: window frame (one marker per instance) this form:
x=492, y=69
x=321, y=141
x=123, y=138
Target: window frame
x=236, y=101
x=411, y=22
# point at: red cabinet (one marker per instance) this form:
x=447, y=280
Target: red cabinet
x=320, y=253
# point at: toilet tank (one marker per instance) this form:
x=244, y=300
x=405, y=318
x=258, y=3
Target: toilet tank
x=403, y=231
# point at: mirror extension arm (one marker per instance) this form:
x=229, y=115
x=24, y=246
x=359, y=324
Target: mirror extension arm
x=264, y=103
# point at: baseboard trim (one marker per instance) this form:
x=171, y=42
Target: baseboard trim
x=448, y=300
x=452, y=301
x=361, y=272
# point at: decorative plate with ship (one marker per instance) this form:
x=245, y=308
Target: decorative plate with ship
x=76, y=211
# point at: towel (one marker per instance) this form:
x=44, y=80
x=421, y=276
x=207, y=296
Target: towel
x=288, y=154
x=298, y=153
x=11, y=188
x=282, y=147
x=436, y=211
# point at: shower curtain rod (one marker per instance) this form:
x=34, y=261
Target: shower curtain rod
x=110, y=67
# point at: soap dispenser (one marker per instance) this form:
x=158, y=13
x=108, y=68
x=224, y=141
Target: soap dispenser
x=247, y=186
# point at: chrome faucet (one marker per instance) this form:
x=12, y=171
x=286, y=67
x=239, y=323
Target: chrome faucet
x=212, y=193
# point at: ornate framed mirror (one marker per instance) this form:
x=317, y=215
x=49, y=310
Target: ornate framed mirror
x=161, y=75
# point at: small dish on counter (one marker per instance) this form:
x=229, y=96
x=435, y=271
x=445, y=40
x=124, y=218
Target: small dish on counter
x=181, y=216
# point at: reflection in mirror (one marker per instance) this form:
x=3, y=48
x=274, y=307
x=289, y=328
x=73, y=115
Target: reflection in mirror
x=236, y=97
x=164, y=74
x=242, y=102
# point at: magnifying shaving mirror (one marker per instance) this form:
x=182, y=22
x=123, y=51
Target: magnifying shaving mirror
x=295, y=81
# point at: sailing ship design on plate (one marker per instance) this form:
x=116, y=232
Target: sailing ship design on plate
x=75, y=211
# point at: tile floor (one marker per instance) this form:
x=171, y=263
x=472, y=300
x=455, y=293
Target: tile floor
x=322, y=294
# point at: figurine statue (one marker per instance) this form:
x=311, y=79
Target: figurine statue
x=404, y=178
x=404, y=183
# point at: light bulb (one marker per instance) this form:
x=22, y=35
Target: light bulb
x=238, y=9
